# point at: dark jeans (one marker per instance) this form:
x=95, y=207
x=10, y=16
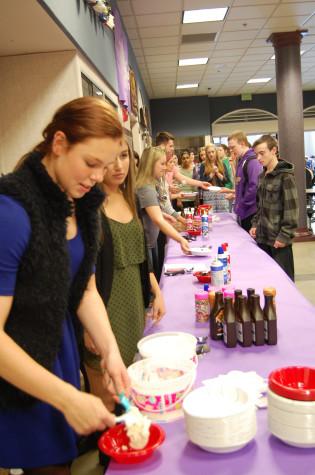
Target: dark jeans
x=283, y=256
x=161, y=254
x=246, y=223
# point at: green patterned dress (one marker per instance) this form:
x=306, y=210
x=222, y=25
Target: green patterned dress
x=126, y=306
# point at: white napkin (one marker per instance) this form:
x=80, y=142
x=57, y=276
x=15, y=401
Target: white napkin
x=254, y=385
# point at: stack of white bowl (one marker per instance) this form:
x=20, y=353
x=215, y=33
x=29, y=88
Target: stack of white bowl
x=221, y=419
x=292, y=421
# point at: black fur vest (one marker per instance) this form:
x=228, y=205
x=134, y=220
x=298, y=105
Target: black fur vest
x=43, y=292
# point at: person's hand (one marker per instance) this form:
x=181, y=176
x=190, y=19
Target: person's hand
x=169, y=218
x=185, y=246
x=86, y=413
x=88, y=343
x=116, y=369
x=227, y=190
x=278, y=244
x=252, y=232
x=174, y=188
x=229, y=196
x=215, y=169
x=181, y=219
x=204, y=185
x=158, y=308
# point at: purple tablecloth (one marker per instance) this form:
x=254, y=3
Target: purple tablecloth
x=250, y=267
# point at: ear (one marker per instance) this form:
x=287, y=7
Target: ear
x=59, y=143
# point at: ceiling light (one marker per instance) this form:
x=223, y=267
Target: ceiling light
x=186, y=86
x=258, y=80
x=274, y=56
x=192, y=61
x=206, y=14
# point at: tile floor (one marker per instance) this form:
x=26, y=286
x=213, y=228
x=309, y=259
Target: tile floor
x=304, y=257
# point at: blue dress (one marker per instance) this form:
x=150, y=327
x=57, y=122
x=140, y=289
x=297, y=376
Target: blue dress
x=38, y=435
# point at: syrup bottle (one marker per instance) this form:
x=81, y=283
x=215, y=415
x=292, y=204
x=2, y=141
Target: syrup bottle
x=216, y=317
x=270, y=319
x=244, y=322
x=250, y=292
x=229, y=324
x=237, y=293
x=257, y=321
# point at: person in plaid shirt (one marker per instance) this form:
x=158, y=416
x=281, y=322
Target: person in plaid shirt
x=276, y=219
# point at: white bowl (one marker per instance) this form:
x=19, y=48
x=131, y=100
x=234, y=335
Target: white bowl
x=291, y=405
x=219, y=422
x=291, y=418
x=173, y=344
x=296, y=436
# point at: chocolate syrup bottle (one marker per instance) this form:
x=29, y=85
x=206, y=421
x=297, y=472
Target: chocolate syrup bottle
x=257, y=321
x=216, y=317
x=250, y=293
x=237, y=293
x=229, y=324
x=270, y=319
x=243, y=322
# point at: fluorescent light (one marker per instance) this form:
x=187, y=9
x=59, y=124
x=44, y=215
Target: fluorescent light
x=258, y=80
x=274, y=56
x=99, y=93
x=192, y=61
x=206, y=14
x=186, y=86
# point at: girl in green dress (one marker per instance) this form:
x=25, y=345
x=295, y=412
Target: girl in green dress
x=123, y=275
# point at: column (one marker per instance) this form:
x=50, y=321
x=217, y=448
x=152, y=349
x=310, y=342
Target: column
x=290, y=110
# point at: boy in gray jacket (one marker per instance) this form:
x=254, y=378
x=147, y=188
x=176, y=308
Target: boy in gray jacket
x=276, y=219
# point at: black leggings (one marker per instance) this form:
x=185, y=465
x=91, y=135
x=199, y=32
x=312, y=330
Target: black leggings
x=283, y=256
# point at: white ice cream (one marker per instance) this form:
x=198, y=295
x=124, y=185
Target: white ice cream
x=137, y=427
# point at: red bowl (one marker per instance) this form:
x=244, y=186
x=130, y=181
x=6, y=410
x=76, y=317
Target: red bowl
x=293, y=382
x=113, y=439
x=202, y=278
x=193, y=232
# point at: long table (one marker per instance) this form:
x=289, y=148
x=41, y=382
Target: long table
x=250, y=267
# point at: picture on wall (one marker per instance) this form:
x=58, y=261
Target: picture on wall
x=133, y=92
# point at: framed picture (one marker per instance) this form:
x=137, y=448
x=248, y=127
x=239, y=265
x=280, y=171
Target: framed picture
x=133, y=93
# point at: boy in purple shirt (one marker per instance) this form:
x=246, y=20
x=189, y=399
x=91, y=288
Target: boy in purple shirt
x=246, y=178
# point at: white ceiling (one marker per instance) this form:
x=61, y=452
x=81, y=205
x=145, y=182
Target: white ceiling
x=26, y=28
x=239, y=53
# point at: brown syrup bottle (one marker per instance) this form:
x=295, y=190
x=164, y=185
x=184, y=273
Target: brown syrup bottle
x=237, y=293
x=229, y=324
x=257, y=321
x=270, y=319
x=216, y=317
x=244, y=322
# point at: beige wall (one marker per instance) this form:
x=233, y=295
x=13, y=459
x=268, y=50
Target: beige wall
x=33, y=86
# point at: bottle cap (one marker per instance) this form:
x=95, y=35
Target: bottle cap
x=201, y=296
x=216, y=265
x=220, y=250
x=206, y=287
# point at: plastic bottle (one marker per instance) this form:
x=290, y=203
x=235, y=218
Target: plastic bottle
x=243, y=322
x=217, y=276
x=216, y=317
x=189, y=222
x=202, y=308
x=229, y=324
x=222, y=257
x=257, y=321
x=197, y=223
x=270, y=319
x=228, y=256
x=204, y=227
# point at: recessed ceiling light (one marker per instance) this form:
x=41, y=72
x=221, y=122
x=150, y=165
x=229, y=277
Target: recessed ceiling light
x=206, y=14
x=192, y=61
x=274, y=56
x=257, y=80
x=186, y=86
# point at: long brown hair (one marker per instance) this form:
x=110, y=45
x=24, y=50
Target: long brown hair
x=128, y=187
x=80, y=119
x=209, y=165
